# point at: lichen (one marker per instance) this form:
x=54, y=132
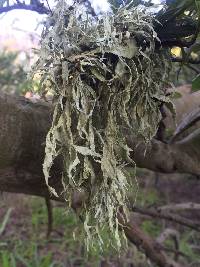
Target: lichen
x=107, y=77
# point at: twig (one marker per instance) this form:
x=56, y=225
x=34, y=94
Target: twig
x=50, y=216
x=168, y=216
x=190, y=139
x=196, y=70
x=181, y=60
x=180, y=206
x=188, y=121
x=49, y=6
x=176, y=252
x=151, y=248
x=174, y=235
x=160, y=135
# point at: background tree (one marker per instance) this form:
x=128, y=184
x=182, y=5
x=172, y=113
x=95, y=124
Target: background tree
x=13, y=76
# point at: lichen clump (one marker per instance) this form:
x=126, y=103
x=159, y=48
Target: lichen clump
x=107, y=79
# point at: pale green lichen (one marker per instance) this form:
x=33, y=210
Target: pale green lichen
x=104, y=83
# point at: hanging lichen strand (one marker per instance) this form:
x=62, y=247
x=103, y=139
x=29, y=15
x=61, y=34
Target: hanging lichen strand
x=104, y=84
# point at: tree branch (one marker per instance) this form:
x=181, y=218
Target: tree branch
x=156, y=213
x=181, y=60
x=39, y=8
x=180, y=207
x=188, y=121
x=24, y=126
x=151, y=248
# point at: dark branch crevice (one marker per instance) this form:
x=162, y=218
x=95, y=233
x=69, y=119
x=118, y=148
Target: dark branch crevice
x=182, y=60
x=181, y=33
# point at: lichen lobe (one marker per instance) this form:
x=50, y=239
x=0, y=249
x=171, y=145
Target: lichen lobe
x=104, y=83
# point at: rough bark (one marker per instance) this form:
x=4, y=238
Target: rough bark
x=23, y=128
x=151, y=248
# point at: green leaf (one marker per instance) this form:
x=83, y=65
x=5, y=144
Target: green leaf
x=196, y=84
x=5, y=220
x=5, y=259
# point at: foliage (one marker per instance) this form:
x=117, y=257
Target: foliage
x=183, y=13
x=5, y=221
x=13, y=75
x=29, y=247
x=196, y=84
x=186, y=247
x=24, y=240
x=152, y=228
x=13, y=260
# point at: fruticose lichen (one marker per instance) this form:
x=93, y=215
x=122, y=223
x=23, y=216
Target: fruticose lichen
x=107, y=78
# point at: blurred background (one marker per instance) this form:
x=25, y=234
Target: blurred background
x=24, y=220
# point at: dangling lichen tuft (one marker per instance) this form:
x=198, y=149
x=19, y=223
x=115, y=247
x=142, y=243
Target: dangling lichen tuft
x=107, y=79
